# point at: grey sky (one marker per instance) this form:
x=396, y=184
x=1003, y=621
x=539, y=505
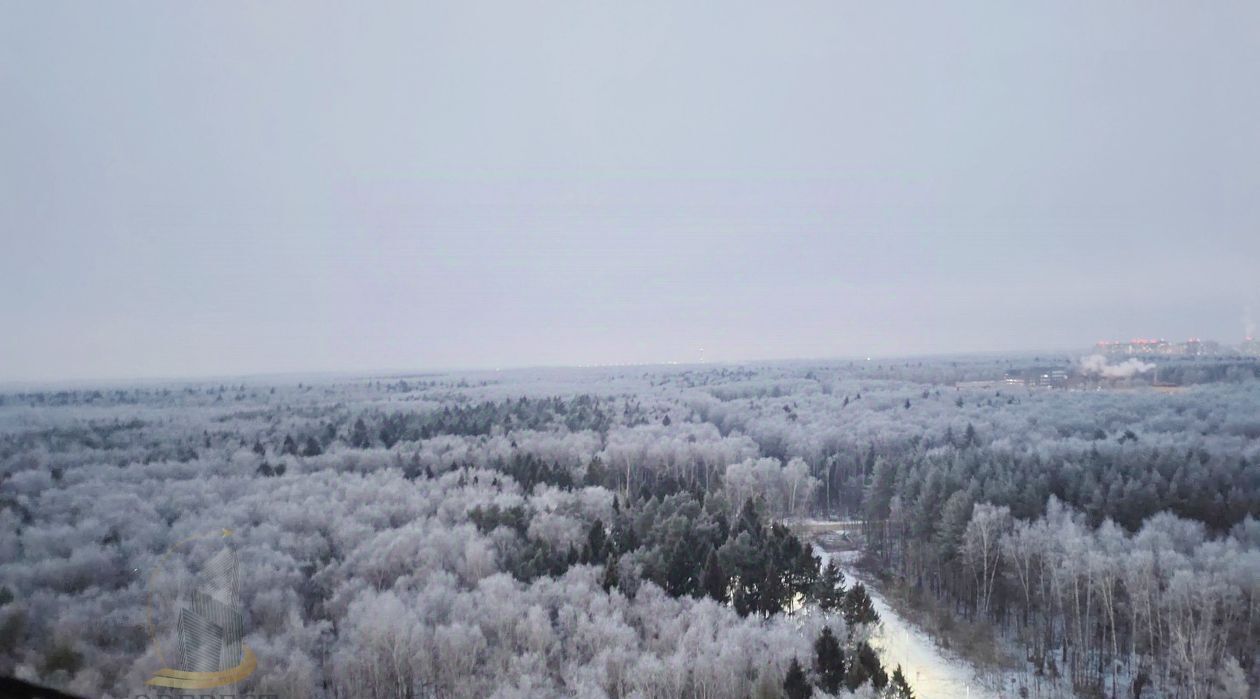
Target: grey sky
x=219, y=188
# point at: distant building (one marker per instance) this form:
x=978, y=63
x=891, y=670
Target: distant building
x=1195, y=347
x=1135, y=347
x=1032, y=377
x=1056, y=378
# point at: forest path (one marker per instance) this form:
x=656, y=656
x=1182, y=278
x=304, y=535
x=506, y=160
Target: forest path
x=932, y=673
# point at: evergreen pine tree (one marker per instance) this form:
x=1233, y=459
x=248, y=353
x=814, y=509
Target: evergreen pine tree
x=679, y=580
x=773, y=592
x=864, y=667
x=597, y=474
x=898, y=688
x=795, y=686
x=743, y=600
x=858, y=608
x=714, y=582
x=867, y=655
x=855, y=675
x=828, y=661
x=829, y=590
x=749, y=521
x=609, y=580
x=359, y=438
x=596, y=542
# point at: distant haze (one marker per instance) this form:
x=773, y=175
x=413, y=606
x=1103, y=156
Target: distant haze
x=221, y=188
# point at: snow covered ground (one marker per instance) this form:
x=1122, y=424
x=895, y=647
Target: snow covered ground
x=931, y=672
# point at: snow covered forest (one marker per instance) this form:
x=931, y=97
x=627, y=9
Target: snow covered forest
x=627, y=532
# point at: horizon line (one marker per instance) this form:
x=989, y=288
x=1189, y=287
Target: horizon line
x=295, y=375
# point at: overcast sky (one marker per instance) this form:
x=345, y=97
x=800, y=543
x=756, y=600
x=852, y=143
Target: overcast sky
x=220, y=188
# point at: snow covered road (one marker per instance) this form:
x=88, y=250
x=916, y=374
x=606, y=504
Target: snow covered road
x=931, y=672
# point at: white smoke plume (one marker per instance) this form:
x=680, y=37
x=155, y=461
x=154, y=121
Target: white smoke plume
x=1096, y=365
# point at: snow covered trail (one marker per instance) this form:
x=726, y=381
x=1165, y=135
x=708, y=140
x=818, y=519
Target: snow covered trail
x=931, y=673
